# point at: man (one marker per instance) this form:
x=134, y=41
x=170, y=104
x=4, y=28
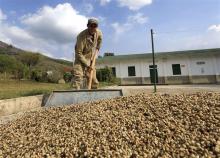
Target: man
x=88, y=42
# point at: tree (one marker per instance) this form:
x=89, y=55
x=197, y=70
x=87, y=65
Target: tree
x=19, y=71
x=7, y=63
x=29, y=59
x=36, y=75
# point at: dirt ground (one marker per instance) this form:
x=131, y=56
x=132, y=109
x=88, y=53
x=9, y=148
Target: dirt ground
x=132, y=90
x=170, y=89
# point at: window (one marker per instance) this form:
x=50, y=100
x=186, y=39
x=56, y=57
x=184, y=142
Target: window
x=114, y=71
x=131, y=71
x=176, y=69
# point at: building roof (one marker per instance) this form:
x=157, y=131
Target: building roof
x=213, y=51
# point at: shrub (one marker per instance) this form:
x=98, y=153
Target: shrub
x=67, y=77
x=36, y=75
x=105, y=75
x=54, y=77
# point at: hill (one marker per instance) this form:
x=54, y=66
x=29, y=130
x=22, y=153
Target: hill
x=9, y=49
x=11, y=58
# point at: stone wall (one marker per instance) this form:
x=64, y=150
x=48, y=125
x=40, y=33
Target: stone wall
x=15, y=105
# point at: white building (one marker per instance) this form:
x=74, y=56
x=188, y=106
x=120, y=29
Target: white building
x=180, y=67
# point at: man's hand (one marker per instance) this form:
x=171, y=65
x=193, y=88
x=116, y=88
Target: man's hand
x=89, y=68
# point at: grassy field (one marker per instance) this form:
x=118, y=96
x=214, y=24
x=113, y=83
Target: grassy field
x=13, y=89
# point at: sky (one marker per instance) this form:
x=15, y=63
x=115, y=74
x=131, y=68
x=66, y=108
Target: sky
x=51, y=26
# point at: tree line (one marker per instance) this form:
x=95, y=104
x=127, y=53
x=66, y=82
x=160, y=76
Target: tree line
x=23, y=66
x=18, y=65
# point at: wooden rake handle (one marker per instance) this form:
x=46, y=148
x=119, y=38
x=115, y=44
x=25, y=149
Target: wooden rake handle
x=92, y=71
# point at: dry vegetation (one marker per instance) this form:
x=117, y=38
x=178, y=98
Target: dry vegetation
x=136, y=126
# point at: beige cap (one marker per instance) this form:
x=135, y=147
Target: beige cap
x=93, y=21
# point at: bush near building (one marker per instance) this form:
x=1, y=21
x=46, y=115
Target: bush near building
x=106, y=75
x=67, y=77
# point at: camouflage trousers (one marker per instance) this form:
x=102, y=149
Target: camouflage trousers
x=81, y=77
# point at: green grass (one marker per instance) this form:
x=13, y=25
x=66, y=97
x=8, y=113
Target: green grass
x=13, y=89
x=106, y=84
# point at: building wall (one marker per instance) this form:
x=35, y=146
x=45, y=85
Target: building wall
x=168, y=71
x=191, y=71
x=203, y=73
x=203, y=69
x=124, y=67
x=173, y=60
